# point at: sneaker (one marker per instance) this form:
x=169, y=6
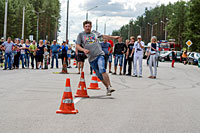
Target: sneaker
x=109, y=91
x=134, y=76
x=120, y=73
x=110, y=71
x=114, y=73
x=128, y=74
x=140, y=76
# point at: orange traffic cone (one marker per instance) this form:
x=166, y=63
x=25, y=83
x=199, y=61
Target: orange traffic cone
x=74, y=63
x=64, y=69
x=94, y=82
x=82, y=91
x=67, y=104
x=98, y=79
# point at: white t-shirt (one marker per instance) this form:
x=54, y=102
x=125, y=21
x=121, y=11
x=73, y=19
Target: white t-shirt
x=69, y=51
x=138, y=49
x=23, y=46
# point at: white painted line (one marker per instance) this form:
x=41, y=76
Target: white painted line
x=76, y=100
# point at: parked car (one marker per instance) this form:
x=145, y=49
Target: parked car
x=193, y=58
x=164, y=56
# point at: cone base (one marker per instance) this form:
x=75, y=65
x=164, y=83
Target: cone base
x=67, y=112
x=92, y=88
x=85, y=96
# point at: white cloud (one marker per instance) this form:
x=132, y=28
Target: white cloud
x=118, y=11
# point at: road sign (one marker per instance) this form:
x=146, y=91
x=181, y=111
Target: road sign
x=189, y=43
x=31, y=37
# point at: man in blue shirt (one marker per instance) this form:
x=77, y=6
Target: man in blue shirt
x=54, y=53
x=105, y=45
x=8, y=47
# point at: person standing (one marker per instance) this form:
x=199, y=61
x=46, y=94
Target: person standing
x=138, y=55
x=110, y=49
x=46, y=56
x=153, y=49
x=125, y=59
x=1, y=52
x=54, y=53
x=8, y=47
x=119, y=50
x=184, y=57
x=69, y=51
x=17, y=55
x=80, y=59
x=91, y=47
x=22, y=54
x=39, y=54
x=173, y=58
x=105, y=45
x=33, y=49
x=49, y=50
x=64, y=53
x=129, y=54
x=27, y=53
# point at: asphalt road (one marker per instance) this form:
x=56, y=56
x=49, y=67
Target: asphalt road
x=170, y=104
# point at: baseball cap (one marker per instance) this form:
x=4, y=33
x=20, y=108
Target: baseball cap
x=139, y=36
x=2, y=38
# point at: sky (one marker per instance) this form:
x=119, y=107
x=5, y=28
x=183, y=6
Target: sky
x=117, y=13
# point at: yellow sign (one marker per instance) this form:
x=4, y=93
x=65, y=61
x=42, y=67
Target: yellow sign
x=189, y=43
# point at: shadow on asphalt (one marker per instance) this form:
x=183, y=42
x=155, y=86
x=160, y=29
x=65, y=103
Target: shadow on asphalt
x=102, y=97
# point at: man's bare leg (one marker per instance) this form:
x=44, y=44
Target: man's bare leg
x=110, y=67
x=106, y=82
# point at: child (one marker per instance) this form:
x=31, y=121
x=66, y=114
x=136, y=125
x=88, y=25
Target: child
x=46, y=57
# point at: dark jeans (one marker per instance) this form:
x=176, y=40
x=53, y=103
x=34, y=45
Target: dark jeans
x=22, y=56
x=32, y=60
x=8, y=58
x=130, y=62
x=54, y=55
x=16, y=60
x=27, y=59
x=66, y=58
x=125, y=63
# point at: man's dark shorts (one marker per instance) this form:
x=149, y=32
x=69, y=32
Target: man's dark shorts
x=81, y=57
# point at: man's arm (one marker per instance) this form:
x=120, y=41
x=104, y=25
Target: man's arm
x=110, y=37
x=78, y=46
x=141, y=44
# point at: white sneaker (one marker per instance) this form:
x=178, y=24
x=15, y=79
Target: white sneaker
x=109, y=91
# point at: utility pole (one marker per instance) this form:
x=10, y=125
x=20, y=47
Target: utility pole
x=23, y=22
x=165, y=24
x=152, y=25
x=5, y=19
x=89, y=10
x=97, y=21
x=67, y=23
x=140, y=29
x=38, y=15
x=56, y=30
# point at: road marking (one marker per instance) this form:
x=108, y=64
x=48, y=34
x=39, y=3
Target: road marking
x=76, y=100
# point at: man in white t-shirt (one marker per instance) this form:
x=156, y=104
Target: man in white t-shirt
x=138, y=56
x=69, y=51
